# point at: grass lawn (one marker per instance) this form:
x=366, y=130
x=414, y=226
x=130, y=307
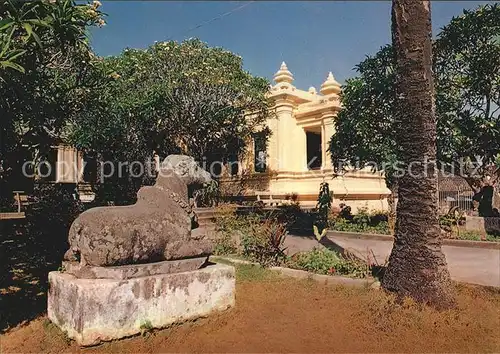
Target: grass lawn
x=275, y=314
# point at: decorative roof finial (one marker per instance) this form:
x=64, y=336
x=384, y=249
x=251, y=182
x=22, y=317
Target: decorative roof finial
x=330, y=85
x=283, y=74
x=312, y=90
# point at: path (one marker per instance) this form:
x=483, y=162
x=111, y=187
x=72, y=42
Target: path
x=466, y=264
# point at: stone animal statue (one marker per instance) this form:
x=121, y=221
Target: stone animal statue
x=156, y=228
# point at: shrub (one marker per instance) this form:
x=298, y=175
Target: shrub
x=349, y=226
x=493, y=237
x=260, y=236
x=227, y=221
x=225, y=245
x=470, y=235
x=49, y=215
x=477, y=236
x=288, y=214
x=362, y=218
x=230, y=228
x=345, y=211
x=325, y=261
x=208, y=196
x=323, y=206
x=264, y=242
x=379, y=216
x=364, y=221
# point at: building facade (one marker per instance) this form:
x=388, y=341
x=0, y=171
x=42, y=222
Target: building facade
x=296, y=158
x=293, y=161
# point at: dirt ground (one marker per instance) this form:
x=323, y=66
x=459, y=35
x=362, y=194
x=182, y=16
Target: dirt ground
x=285, y=315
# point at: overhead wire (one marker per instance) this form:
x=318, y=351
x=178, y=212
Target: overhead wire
x=218, y=17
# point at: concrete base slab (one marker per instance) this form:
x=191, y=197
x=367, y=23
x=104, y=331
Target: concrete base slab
x=95, y=310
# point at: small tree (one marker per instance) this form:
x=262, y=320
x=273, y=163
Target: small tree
x=323, y=207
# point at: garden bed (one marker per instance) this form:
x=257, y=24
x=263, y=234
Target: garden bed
x=303, y=274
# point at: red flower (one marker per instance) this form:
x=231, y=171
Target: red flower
x=331, y=270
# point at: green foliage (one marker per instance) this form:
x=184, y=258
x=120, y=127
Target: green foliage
x=492, y=237
x=323, y=206
x=170, y=98
x=261, y=238
x=51, y=210
x=345, y=212
x=224, y=245
x=295, y=219
x=265, y=243
x=228, y=222
x=209, y=195
x=446, y=222
x=374, y=223
x=32, y=27
x=470, y=235
x=45, y=76
x=477, y=236
x=325, y=261
x=362, y=217
x=467, y=77
x=349, y=226
x=174, y=97
x=467, y=66
x=146, y=327
x=364, y=128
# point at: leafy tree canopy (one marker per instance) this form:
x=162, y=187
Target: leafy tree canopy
x=172, y=97
x=45, y=62
x=467, y=78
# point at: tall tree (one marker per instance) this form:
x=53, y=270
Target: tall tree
x=172, y=98
x=467, y=65
x=466, y=57
x=417, y=266
x=45, y=59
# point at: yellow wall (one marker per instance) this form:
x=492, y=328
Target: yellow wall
x=297, y=111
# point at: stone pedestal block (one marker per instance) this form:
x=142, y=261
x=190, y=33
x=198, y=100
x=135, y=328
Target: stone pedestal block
x=95, y=310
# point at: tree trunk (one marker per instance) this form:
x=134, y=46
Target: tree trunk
x=391, y=201
x=417, y=267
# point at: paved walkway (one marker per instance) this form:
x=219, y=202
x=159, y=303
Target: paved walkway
x=466, y=264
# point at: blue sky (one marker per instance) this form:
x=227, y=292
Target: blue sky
x=311, y=37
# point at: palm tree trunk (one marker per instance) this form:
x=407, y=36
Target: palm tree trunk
x=417, y=267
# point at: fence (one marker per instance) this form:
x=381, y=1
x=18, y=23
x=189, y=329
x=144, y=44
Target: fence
x=460, y=197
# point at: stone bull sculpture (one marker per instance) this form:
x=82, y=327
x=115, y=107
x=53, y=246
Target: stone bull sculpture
x=156, y=228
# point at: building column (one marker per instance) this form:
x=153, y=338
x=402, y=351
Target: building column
x=327, y=130
x=59, y=165
x=284, y=136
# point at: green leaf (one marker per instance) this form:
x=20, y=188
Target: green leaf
x=6, y=23
x=38, y=22
x=8, y=64
x=30, y=32
x=7, y=43
x=17, y=54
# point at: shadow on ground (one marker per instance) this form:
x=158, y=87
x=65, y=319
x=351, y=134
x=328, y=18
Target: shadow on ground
x=25, y=262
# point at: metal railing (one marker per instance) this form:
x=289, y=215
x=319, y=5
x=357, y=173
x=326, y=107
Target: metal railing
x=461, y=198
